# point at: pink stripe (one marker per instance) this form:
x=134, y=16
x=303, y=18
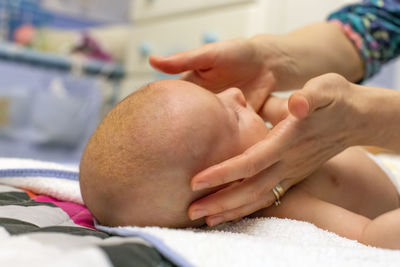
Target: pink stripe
x=348, y=30
x=78, y=213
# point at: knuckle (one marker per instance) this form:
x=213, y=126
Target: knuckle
x=251, y=168
x=267, y=201
x=332, y=76
x=221, y=206
x=255, y=195
x=326, y=80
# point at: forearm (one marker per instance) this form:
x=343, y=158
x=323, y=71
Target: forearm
x=378, y=112
x=311, y=51
x=323, y=48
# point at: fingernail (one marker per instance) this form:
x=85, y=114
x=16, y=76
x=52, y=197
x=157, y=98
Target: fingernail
x=215, y=220
x=200, y=185
x=198, y=214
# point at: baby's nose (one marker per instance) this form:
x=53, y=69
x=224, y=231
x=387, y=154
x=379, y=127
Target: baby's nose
x=238, y=96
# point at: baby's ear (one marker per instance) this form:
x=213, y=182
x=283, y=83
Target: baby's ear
x=275, y=109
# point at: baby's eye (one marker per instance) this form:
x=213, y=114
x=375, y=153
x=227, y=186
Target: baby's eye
x=236, y=113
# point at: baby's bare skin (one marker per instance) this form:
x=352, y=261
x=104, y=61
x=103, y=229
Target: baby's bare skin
x=350, y=195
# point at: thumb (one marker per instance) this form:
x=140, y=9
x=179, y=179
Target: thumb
x=307, y=100
x=299, y=105
x=196, y=59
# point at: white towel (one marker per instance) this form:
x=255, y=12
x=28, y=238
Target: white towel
x=263, y=242
x=48, y=178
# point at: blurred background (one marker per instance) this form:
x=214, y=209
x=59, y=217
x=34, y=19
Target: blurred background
x=65, y=63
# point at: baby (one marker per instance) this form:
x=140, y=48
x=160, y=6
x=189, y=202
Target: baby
x=137, y=166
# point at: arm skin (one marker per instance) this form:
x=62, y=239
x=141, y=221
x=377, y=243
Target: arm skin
x=311, y=51
x=357, y=203
x=379, y=111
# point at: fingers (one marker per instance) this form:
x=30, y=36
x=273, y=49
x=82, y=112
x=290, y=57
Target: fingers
x=241, y=211
x=247, y=209
x=194, y=77
x=197, y=59
x=274, y=110
x=258, y=157
x=238, y=194
x=255, y=159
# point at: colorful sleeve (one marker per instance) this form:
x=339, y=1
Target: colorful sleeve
x=374, y=28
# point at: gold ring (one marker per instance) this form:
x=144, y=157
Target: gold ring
x=278, y=193
x=280, y=190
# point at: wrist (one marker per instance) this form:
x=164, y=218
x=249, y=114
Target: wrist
x=324, y=48
x=308, y=52
x=277, y=58
x=377, y=121
x=359, y=103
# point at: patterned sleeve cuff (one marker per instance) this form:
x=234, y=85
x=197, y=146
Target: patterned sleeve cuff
x=371, y=67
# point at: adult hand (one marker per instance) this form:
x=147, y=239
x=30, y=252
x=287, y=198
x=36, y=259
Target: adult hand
x=253, y=65
x=321, y=123
x=267, y=63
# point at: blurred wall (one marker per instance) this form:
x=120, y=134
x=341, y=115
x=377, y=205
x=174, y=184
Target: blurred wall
x=97, y=10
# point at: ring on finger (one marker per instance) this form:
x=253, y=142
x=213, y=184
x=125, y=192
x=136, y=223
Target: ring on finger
x=278, y=193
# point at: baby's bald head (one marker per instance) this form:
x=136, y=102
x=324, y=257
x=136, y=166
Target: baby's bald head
x=137, y=166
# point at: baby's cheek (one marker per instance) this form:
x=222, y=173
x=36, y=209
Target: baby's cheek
x=253, y=131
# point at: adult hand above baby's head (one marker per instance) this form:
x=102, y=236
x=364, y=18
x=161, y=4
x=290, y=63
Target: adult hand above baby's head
x=253, y=65
x=321, y=123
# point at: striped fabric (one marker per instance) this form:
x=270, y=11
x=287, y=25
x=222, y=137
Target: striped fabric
x=37, y=230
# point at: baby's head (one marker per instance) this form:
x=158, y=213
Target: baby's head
x=137, y=166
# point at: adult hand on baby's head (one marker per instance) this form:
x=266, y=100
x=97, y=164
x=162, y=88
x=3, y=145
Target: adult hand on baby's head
x=252, y=65
x=321, y=124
